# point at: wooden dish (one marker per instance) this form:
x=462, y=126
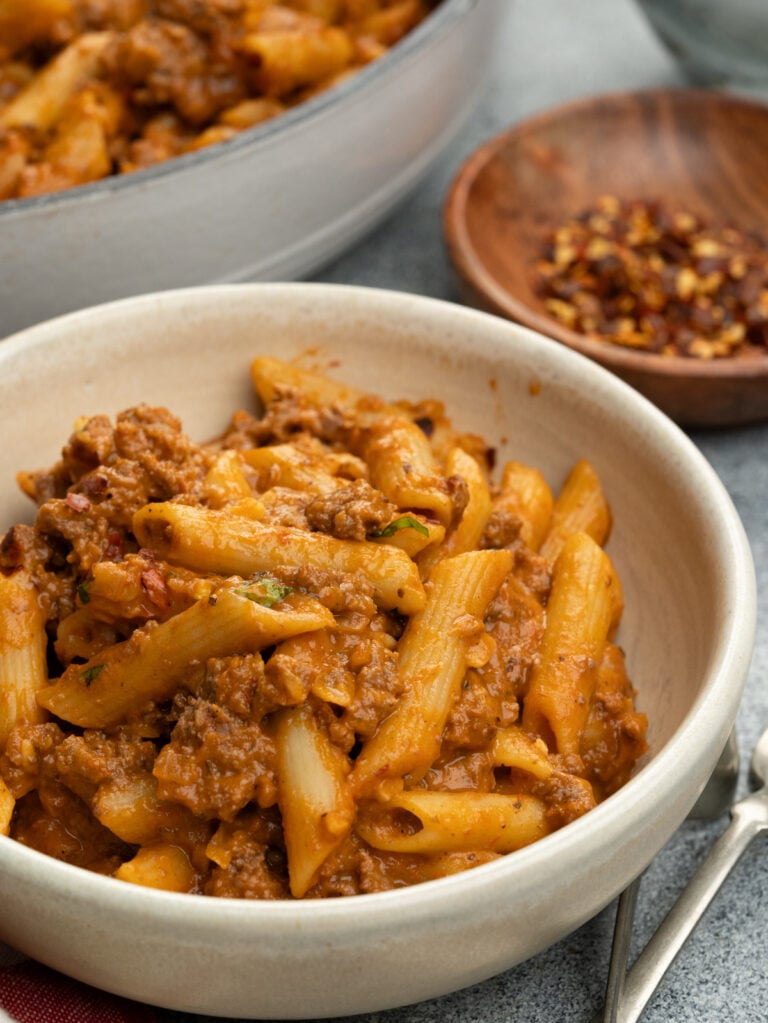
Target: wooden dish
x=694, y=149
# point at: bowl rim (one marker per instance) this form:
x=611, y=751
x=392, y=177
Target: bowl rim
x=472, y=268
x=711, y=714
x=441, y=20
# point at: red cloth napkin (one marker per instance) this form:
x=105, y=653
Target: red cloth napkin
x=32, y=993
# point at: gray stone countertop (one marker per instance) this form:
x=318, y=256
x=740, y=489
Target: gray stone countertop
x=550, y=51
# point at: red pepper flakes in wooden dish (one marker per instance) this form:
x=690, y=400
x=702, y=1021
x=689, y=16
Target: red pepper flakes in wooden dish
x=696, y=150
x=658, y=279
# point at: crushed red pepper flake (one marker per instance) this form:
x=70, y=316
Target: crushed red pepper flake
x=641, y=275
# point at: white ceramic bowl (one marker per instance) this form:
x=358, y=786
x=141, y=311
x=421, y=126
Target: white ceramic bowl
x=688, y=632
x=274, y=203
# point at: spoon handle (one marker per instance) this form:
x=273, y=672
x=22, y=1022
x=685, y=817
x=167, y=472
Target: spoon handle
x=748, y=819
x=622, y=940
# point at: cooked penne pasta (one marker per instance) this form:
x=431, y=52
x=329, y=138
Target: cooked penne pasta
x=270, y=376
x=209, y=541
x=583, y=607
x=138, y=588
x=311, y=469
x=400, y=458
x=435, y=652
x=580, y=507
x=467, y=533
x=131, y=808
x=292, y=60
x=614, y=732
x=412, y=533
x=41, y=103
x=315, y=799
x=512, y=747
x=7, y=803
x=525, y=494
x=404, y=469
x=152, y=663
x=316, y=656
x=163, y=866
x=456, y=821
x=226, y=483
x=23, y=645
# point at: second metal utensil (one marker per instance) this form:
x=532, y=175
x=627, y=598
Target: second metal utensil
x=749, y=817
x=714, y=800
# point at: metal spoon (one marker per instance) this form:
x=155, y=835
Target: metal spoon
x=714, y=800
x=749, y=817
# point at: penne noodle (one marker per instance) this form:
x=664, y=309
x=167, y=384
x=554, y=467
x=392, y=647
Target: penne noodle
x=526, y=495
x=580, y=507
x=613, y=738
x=466, y=534
x=226, y=482
x=123, y=679
x=314, y=796
x=314, y=472
x=81, y=635
x=23, y=657
x=137, y=588
x=456, y=821
x=291, y=60
x=213, y=541
x=7, y=803
x=411, y=533
x=129, y=806
x=40, y=104
x=402, y=465
x=271, y=376
x=250, y=112
x=435, y=652
x=584, y=604
x=404, y=469
x=163, y=865
x=512, y=747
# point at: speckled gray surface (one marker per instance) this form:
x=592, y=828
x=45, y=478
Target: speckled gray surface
x=552, y=50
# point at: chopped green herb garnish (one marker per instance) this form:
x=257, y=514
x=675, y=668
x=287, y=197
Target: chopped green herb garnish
x=83, y=594
x=265, y=591
x=92, y=673
x=404, y=522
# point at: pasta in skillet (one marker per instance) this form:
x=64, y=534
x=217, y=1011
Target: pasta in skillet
x=326, y=654
x=90, y=88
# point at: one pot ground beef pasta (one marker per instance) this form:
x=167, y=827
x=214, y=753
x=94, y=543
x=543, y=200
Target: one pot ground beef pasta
x=323, y=655
x=91, y=88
